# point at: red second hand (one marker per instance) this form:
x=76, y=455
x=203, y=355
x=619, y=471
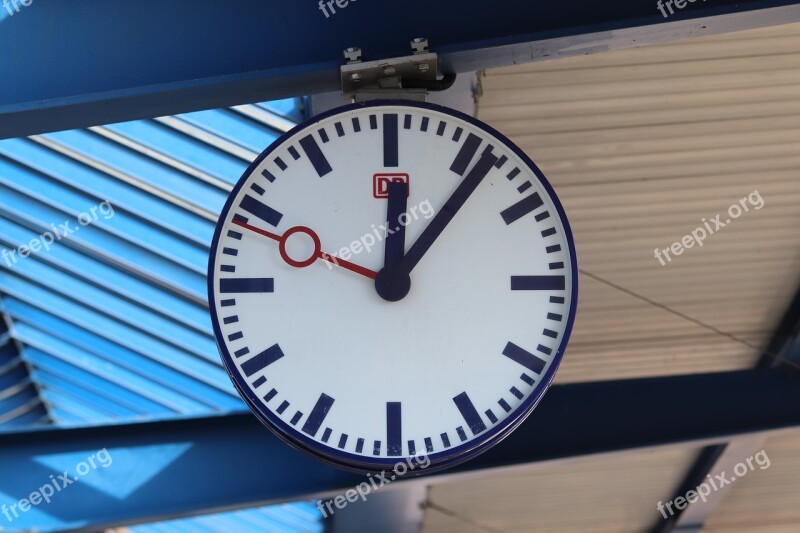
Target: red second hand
x=318, y=254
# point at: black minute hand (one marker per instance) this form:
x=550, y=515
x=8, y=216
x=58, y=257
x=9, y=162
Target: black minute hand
x=448, y=211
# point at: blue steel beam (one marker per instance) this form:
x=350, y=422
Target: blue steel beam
x=87, y=62
x=176, y=468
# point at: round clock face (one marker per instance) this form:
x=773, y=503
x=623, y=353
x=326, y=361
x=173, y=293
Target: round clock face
x=391, y=280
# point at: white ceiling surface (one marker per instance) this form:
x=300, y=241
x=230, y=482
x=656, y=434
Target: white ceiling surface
x=640, y=145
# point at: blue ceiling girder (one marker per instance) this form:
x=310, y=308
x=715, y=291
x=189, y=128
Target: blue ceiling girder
x=233, y=461
x=73, y=65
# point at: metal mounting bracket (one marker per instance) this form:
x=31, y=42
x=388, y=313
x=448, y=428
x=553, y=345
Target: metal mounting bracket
x=395, y=78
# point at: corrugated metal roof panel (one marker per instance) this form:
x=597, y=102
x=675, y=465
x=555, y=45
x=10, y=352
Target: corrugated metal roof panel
x=644, y=144
x=110, y=322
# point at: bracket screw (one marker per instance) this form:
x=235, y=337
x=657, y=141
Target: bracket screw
x=352, y=55
x=419, y=45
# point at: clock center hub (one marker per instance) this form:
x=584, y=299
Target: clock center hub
x=392, y=284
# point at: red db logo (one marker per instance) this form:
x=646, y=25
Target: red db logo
x=380, y=184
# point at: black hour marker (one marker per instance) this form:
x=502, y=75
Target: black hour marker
x=227, y=303
x=235, y=336
x=553, y=249
x=262, y=360
x=537, y=283
x=241, y=353
x=461, y=433
x=523, y=207
x=227, y=268
x=500, y=162
x=504, y=405
x=514, y=173
x=490, y=415
x=231, y=319
x=525, y=358
x=466, y=154
x=356, y=124
x=390, y=140
x=280, y=163
x=318, y=414
x=445, y=440
x=282, y=407
x=470, y=414
x=524, y=187
x=235, y=235
x=394, y=434
x=457, y=134
x=542, y=216
x=440, y=129
x=257, y=189
x=515, y=391
x=376, y=447
x=407, y=122
x=315, y=155
x=267, y=174
x=270, y=395
x=556, y=299
x=556, y=266
x=323, y=135
x=553, y=316
x=428, y=445
x=296, y=418
x=424, y=125
x=260, y=381
x=548, y=232
x=373, y=122
x=246, y=285
x=359, y=445
x=342, y=440
x=339, y=129
x=326, y=434
x=295, y=154
x=412, y=448
x=550, y=333
x=527, y=379
x=261, y=210
x=230, y=251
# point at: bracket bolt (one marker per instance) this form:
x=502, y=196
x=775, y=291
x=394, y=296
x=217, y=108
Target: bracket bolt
x=419, y=45
x=352, y=55
x=423, y=67
x=356, y=77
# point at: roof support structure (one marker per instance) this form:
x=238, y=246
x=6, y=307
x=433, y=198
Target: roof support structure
x=185, y=467
x=97, y=62
x=783, y=346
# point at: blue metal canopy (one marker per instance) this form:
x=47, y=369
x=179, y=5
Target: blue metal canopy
x=104, y=236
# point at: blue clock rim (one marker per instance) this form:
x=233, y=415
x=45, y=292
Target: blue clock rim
x=363, y=464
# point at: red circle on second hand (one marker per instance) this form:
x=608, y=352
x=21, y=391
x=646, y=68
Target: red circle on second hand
x=314, y=237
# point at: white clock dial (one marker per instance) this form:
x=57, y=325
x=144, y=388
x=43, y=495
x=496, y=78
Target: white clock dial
x=390, y=280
